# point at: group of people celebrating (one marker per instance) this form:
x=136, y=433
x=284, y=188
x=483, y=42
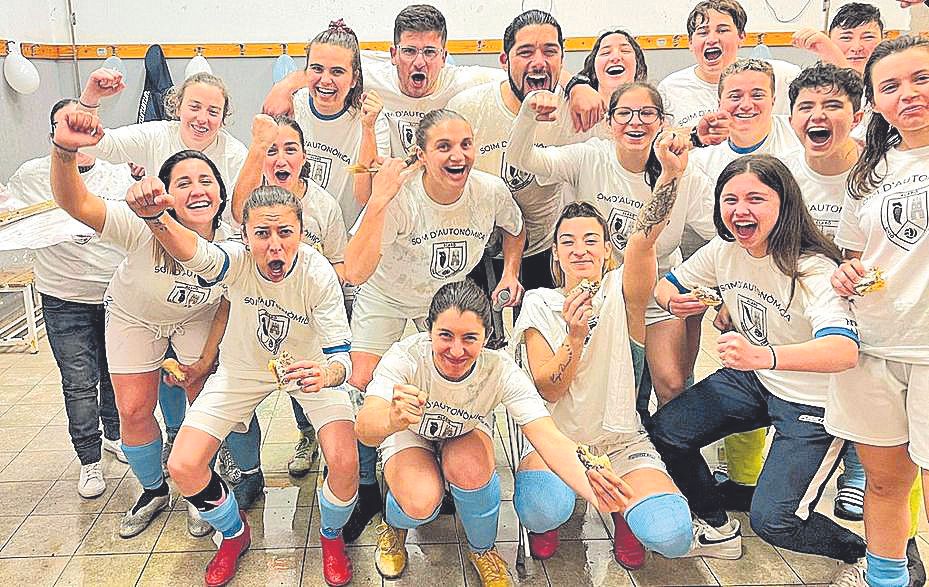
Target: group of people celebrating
x=381, y=191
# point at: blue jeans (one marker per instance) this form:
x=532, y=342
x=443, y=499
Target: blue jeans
x=75, y=333
x=802, y=458
x=173, y=402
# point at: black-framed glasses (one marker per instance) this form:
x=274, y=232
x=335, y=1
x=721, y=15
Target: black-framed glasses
x=647, y=114
x=410, y=52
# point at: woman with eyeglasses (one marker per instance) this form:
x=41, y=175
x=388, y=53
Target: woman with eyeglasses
x=616, y=176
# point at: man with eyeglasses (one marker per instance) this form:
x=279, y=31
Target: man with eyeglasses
x=413, y=82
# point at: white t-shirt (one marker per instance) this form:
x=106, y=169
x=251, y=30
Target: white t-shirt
x=150, y=144
x=144, y=293
x=541, y=201
x=426, y=244
x=331, y=145
x=889, y=227
x=687, y=97
x=597, y=177
x=77, y=271
x=605, y=380
x=454, y=408
x=757, y=295
x=303, y=314
x=322, y=223
x=781, y=141
x=403, y=112
x=823, y=194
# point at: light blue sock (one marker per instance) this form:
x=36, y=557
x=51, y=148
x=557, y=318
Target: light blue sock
x=854, y=475
x=479, y=510
x=662, y=523
x=145, y=461
x=333, y=513
x=542, y=500
x=886, y=572
x=398, y=518
x=225, y=517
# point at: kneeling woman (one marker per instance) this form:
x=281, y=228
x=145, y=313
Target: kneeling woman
x=285, y=302
x=577, y=343
x=430, y=409
x=772, y=267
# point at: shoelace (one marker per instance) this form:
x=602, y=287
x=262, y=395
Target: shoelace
x=94, y=472
x=303, y=448
x=849, y=576
x=490, y=566
x=227, y=462
x=387, y=539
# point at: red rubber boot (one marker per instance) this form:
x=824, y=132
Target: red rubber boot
x=337, y=567
x=225, y=562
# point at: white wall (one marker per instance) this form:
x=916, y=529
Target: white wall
x=210, y=21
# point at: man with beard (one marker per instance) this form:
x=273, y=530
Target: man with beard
x=533, y=48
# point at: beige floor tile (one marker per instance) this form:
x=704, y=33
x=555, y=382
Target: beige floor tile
x=35, y=572
x=284, y=491
x=276, y=528
x=588, y=562
x=177, y=569
x=60, y=419
x=126, y=494
x=586, y=524
x=26, y=376
x=10, y=394
x=175, y=537
x=659, y=571
x=63, y=498
x=431, y=564
x=37, y=465
x=275, y=456
x=281, y=430
x=22, y=497
x=26, y=415
x=50, y=438
x=121, y=569
x=271, y=567
x=44, y=394
x=43, y=536
x=9, y=525
x=760, y=564
x=15, y=439
x=811, y=569
x=104, y=538
x=6, y=458
x=364, y=571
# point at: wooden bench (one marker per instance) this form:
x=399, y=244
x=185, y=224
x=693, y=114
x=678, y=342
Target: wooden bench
x=24, y=328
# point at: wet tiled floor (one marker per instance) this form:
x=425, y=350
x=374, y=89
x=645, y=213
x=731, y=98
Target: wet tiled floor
x=51, y=536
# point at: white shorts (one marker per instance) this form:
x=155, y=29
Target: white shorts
x=400, y=441
x=227, y=404
x=882, y=403
x=377, y=323
x=655, y=313
x=132, y=347
x=627, y=452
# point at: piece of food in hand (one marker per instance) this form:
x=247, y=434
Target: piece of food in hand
x=279, y=366
x=591, y=287
x=173, y=368
x=590, y=460
x=872, y=281
x=707, y=295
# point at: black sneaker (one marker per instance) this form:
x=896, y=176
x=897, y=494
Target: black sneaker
x=914, y=564
x=249, y=489
x=448, y=504
x=368, y=506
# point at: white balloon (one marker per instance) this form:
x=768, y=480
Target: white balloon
x=19, y=72
x=116, y=64
x=198, y=64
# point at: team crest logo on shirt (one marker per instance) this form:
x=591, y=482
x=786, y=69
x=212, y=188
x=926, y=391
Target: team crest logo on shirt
x=516, y=179
x=318, y=168
x=407, y=134
x=187, y=295
x=439, y=426
x=448, y=258
x=905, y=218
x=272, y=330
x=620, y=223
x=753, y=321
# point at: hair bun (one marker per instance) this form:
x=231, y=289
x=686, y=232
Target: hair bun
x=339, y=25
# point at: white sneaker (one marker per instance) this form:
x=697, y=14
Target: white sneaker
x=849, y=576
x=115, y=447
x=91, y=483
x=724, y=542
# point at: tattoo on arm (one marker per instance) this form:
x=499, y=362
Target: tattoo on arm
x=658, y=209
x=156, y=224
x=558, y=376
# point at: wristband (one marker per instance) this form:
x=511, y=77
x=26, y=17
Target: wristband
x=576, y=80
x=155, y=217
x=65, y=149
x=773, y=358
x=695, y=139
x=89, y=106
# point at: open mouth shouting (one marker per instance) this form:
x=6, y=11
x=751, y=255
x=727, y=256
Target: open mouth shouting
x=745, y=230
x=419, y=79
x=283, y=176
x=276, y=270
x=536, y=81
x=456, y=172
x=635, y=136
x=818, y=135
x=712, y=55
